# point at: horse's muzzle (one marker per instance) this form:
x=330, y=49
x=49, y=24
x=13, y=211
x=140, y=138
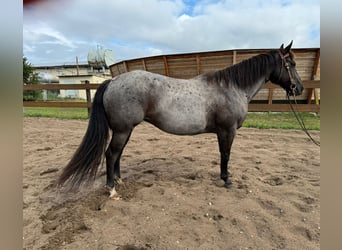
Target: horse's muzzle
x=295, y=90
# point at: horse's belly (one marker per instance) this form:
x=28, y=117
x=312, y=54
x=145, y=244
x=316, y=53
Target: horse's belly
x=185, y=121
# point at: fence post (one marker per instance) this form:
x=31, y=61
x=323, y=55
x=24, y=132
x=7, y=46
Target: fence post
x=88, y=95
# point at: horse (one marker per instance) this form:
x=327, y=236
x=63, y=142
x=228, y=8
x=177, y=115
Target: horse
x=213, y=102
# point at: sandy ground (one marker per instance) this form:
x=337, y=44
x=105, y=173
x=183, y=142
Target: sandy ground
x=172, y=197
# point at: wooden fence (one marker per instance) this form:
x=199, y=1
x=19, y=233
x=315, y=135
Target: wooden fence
x=86, y=86
x=270, y=98
x=269, y=105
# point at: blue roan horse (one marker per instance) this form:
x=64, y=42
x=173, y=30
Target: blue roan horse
x=214, y=102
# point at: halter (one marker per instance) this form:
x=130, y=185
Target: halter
x=287, y=66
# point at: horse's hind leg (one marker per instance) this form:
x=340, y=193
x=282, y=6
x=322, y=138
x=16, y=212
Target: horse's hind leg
x=117, y=172
x=113, y=155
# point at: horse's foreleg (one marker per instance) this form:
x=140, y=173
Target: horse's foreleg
x=113, y=155
x=225, y=140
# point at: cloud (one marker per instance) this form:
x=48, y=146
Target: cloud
x=44, y=34
x=142, y=28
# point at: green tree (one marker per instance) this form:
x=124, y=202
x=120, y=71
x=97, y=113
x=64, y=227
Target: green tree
x=30, y=77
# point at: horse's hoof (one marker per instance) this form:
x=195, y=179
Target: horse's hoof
x=115, y=198
x=114, y=195
x=228, y=184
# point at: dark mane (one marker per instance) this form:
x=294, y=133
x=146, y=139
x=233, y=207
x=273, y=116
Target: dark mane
x=244, y=73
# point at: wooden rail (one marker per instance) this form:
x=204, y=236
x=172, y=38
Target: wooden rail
x=60, y=86
x=270, y=98
x=311, y=85
x=64, y=104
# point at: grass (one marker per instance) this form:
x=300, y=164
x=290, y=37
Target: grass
x=282, y=120
x=62, y=113
x=264, y=120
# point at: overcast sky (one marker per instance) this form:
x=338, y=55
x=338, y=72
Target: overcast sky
x=59, y=30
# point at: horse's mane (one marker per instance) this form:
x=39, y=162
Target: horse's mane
x=245, y=73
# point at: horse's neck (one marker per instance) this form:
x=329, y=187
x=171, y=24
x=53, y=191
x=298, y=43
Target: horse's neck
x=256, y=84
x=253, y=89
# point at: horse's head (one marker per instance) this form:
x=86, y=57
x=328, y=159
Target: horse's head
x=285, y=73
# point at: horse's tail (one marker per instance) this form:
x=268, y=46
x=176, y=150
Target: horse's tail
x=87, y=158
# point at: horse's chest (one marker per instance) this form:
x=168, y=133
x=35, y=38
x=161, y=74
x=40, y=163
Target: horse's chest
x=231, y=111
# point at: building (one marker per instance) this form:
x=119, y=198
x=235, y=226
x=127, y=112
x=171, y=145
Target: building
x=79, y=79
x=71, y=74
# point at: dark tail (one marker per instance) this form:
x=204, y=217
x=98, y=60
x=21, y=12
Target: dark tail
x=87, y=158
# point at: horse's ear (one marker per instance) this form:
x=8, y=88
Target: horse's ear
x=287, y=49
x=282, y=46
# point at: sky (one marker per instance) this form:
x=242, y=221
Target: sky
x=56, y=31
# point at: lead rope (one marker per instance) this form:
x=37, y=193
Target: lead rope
x=300, y=119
